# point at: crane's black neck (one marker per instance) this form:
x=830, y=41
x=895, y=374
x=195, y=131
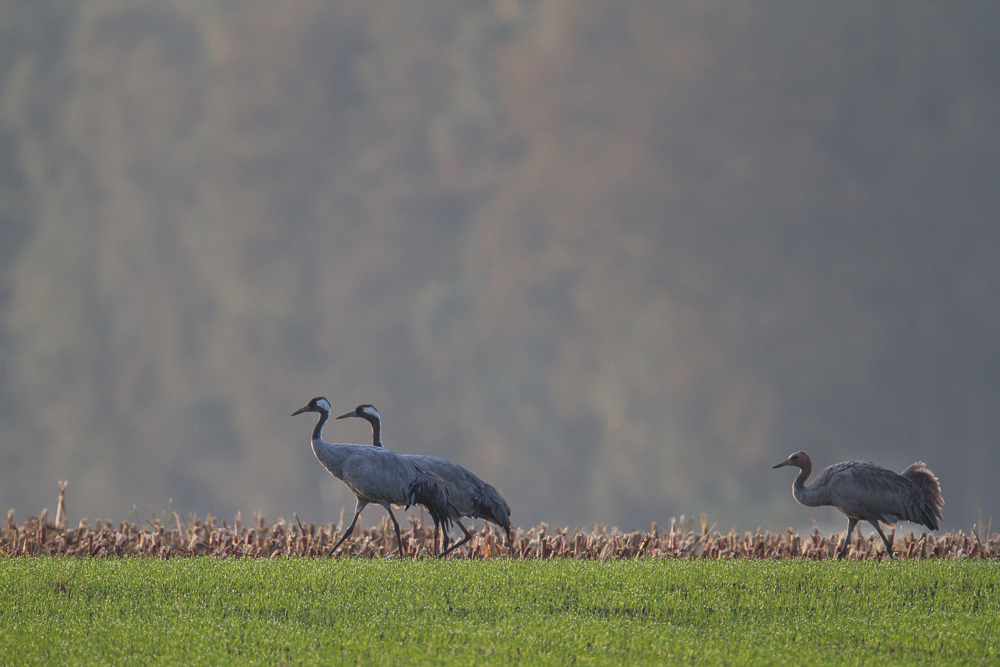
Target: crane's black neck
x=318, y=431
x=376, y=430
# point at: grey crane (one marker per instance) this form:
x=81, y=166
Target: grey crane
x=468, y=495
x=377, y=476
x=867, y=492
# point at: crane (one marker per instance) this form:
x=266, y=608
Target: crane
x=377, y=476
x=468, y=495
x=868, y=492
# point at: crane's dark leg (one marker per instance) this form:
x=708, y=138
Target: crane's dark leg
x=851, y=523
x=347, y=532
x=444, y=538
x=885, y=540
x=468, y=536
x=399, y=540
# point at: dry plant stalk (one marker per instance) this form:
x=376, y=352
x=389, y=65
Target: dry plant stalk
x=177, y=537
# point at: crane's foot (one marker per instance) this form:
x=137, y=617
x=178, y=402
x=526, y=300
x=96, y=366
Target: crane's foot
x=448, y=552
x=331, y=552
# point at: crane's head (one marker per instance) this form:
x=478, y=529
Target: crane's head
x=365, y=411
x=799, y=459
x=318, y=404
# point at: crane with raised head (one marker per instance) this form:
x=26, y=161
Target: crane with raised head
x=868, y=492
x=377, y=476
x=468, y=495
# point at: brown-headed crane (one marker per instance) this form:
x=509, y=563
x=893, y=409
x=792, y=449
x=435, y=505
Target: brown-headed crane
x=378, y=476
x=468, y=496
x=868, y=492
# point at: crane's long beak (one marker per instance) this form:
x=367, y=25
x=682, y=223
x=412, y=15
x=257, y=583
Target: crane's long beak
x=300, y=411
x=349, y=414
x=784, y=463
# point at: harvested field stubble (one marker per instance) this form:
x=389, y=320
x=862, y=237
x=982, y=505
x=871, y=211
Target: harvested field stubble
x=171, y=535
x=180, y=537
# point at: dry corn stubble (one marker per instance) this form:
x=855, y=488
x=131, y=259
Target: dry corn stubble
x=174, y=536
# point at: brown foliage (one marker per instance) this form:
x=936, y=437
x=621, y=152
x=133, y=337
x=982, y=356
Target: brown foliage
x=180, y=537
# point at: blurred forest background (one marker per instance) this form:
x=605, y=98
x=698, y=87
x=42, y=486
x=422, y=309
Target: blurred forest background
x=617, y=258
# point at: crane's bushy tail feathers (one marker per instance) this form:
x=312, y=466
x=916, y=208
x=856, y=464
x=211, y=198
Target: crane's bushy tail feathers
x=428, y=491
x=931, y=503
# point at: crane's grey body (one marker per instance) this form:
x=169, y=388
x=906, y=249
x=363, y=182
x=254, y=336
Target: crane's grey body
x=380, y=480
x=376, y=476
x=468, y=495
x=868, y=492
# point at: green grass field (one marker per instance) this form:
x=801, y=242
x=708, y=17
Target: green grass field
x=301, y=611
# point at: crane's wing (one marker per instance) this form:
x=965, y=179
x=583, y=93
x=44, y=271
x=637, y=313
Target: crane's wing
x=459, y=482
x=872, y=493
x=378, y=475
x=467, y=493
